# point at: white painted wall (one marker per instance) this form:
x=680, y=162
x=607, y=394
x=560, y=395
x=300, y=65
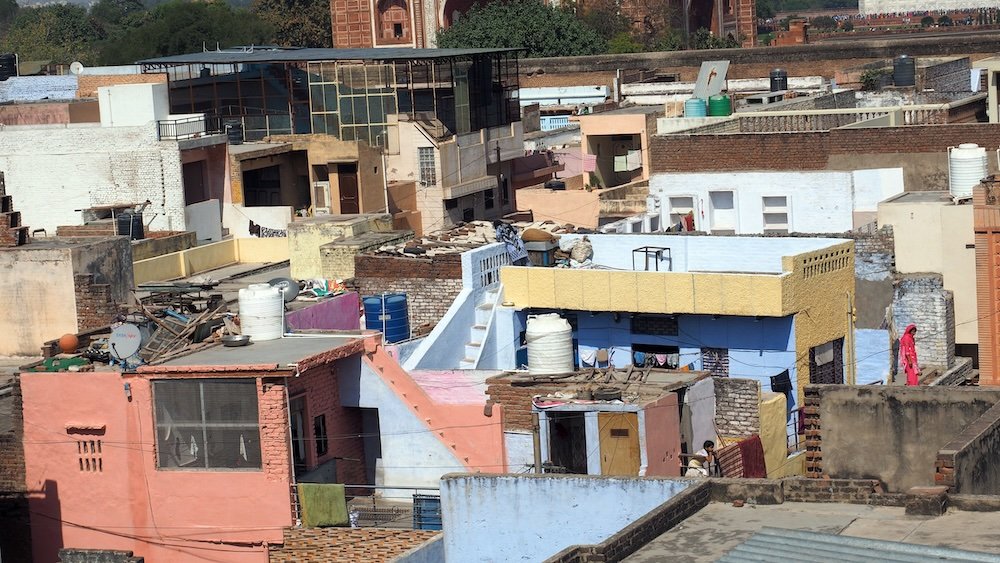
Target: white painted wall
x=127, y=105
x=520, y=450
x=205, y=219
x=563, y=95
x=411, y=455
x=237, y=218
x=530, y=518
x=53, y=170
x=818, y=202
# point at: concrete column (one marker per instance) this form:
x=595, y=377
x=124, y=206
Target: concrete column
x=593, y=443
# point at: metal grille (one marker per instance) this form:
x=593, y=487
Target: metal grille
x=207, y=424
x=428, y=173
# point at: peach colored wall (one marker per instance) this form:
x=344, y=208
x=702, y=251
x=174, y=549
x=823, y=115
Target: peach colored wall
x=131, y=505
x=579, y=207
x=474, y=438
x=663, y=437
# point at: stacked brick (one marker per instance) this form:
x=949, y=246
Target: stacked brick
x=516, y=400
x=430, y=284
x=97, y=556
x=814, y=436
x=12, y=233
x=737, y=406
x=346, y=545
x=15, y=541
x=95, y=304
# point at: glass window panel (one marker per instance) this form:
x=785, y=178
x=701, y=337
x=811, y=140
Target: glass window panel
x=316, y=98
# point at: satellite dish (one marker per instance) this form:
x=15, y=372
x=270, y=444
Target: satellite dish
x=289, y=286
x=125, y=341
x=76, y=67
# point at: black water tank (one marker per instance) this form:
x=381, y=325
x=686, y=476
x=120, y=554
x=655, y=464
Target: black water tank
x=904, y=71
x=8, y=66
x=234, y=132
x=130, y=225
x=779, y=80
x=555, y=185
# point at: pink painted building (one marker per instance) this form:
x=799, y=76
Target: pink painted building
x=184, y=461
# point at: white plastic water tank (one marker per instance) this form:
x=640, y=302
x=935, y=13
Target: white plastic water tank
x=550, y=344
x=966, y=167
x=262, y=311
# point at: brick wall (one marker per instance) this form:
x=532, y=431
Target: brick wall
x=95, y=304
x=922, y=300
x=15, y=541
x=642, y=531
x=967, y=464
x=516, y=400
x=346, y=545
x=430, y=284
x=87, y=84
x=337, y=258
x=321, y=391
x=97, y=556
x=813, y=433
x=810, y=150
x=53, y=171
x=737, y=406
x=274, y=430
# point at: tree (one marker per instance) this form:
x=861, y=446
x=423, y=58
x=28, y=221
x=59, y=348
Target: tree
x=62, y=33
x=297, y=23
x=766, y=9
x=703, y=39
x=542, y=30
x=604, y=17
x=823, y=23
x=623, y=43
x=926, y=21
x=944, y=20
x=8, y=9
x=178, y=27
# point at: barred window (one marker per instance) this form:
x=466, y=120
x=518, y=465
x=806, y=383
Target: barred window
x=207, y=424
x=428, y=173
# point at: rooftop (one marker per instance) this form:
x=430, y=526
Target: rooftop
x=466, y=236
x=56, y=243
x=290, y=54
x=628, y=110
x=633, y=386
x=279, y=353
x=941, y=197
x=719, y=528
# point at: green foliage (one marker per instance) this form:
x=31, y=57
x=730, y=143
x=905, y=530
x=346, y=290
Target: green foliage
x=606, y=19
x=623, y=43
x=944, y=20
x=670, y=41
x=871, y=78
x=703, y=39
x=298, y=23
x=823, y=23
x=926, y=21
x=8, y=9
x=766, y=9
x=61, y=33
x=542, y=30
x=178, y=27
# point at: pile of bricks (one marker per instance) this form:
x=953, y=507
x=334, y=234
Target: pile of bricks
x=11, y=232
x=347, y=545
x=814, y=437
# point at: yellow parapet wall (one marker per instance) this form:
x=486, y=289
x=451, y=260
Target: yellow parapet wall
x=193, y=261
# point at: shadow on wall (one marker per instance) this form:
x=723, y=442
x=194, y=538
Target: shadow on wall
x=46, y=514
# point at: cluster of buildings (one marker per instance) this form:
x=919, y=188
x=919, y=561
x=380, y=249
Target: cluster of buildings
x=271, y=319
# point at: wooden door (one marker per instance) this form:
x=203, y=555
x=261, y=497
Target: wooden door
x=347, y=177
x=619, y=438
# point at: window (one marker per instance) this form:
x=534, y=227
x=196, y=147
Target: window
x=451, y=203
x=723, y=210
x=489, y=196
x=679, y=208
x=504, y=190
x=207, y=424
x=397, y=30
x=90, y=455
x=319, y=434
x=468, y=214
x=775, y=209
x=425, y=163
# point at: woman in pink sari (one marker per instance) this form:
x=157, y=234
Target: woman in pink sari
x=908, y=355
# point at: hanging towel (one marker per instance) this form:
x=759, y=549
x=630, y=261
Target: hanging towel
x=588, y=357
x=731, y=461
x=589, y=162
x=323, y=504
x=633, y=160
x=639, y=358
x=661, y=360
x=752, y=452
x=621, y=163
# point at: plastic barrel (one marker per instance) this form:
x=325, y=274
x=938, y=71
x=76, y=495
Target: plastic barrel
x=695, y=107
x=779, y=80
x=130, y=225
x=720, y=106
x=904, y=71
x=392, y=319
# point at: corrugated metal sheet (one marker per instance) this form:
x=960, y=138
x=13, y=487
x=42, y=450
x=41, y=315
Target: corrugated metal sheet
x=778, y=545
x=271, y=55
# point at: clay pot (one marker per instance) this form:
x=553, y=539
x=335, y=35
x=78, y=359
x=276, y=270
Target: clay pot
x=68, y=343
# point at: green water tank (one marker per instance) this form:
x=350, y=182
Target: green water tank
x=720, y=106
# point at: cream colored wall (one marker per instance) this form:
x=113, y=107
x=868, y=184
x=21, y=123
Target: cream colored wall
x=773, y=436
x=933, y=237
x=209, y=257
x=404, y=167
x=37, y=285
x=579, y=207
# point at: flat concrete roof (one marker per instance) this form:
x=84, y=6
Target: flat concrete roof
x=280, y=352
x=629, y=109
x=923, y=197
x=55, y=243
x=718, y=528
x=272, y=54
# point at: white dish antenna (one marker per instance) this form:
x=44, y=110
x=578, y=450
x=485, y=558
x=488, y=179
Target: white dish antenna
x=76, y=67
x=125, y=341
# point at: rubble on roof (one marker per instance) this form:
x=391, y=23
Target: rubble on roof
x=466, y=236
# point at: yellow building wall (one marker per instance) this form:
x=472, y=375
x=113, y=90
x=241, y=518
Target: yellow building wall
x=774, y=438
x=193, y=261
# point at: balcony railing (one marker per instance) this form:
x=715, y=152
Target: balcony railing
x=188, y=127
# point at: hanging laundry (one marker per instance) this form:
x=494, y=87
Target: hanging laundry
x=589, y=162
x=621, y=163
x=633, y=160
x=243, y=448
x=588, y=357
x=689, y=221
x=752, y=452
x=661, y=360
x=639, y=358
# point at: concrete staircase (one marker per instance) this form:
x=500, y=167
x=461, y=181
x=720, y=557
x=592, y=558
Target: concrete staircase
x=478, y=331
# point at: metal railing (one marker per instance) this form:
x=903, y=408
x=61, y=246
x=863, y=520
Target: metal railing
x=378, y=511
x=188, y=127
x=794, y=439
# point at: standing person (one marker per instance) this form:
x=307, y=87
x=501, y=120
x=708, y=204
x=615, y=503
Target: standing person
x=508, y=235
x=908, y=355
